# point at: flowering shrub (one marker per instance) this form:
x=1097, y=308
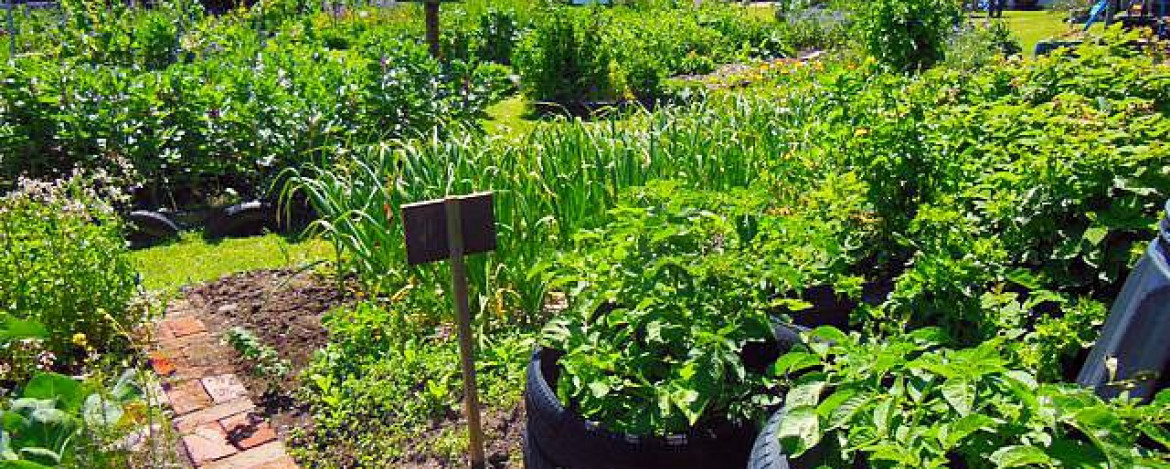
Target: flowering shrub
x=64, y=272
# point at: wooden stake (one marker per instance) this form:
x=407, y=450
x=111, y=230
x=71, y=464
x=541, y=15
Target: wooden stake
x=432, y=13
x=11, y=29
x=463, y=317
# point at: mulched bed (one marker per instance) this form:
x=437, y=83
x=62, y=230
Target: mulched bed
x=283, y=308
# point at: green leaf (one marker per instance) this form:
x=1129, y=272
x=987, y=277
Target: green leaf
x=1094, y=235
x=12, y=329
x=844, y=413
x=799, y=429
x=43, y=456
x=807, y=394
x=967, y=426
x=960, y=395
x=53, y=386
x=1019, y=456
x=100, y=411
x=793, y=362
x=6, y=453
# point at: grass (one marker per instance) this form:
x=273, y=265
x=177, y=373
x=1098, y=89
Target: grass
x=193, y=259
x=508, y=117
x=1031, y=27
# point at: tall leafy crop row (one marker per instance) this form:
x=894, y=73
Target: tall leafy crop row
x=226, y=111
x=1001, y=205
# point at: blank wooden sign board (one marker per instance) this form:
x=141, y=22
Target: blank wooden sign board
x=449, y=229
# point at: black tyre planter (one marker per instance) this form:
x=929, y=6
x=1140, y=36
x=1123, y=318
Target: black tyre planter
x=534, y=457
x=556, y=437
x=767, y=453
x=147, y=228
x=562, y=439
x=830, y=308
x=246, y=219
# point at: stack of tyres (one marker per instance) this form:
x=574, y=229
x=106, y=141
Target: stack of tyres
x=1134, y=347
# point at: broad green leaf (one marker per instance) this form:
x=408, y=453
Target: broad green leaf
x=793, y=362
x=799, y=429
x=13, y=329
x=1019, y=456
x=807, y=394
x=890, y=452
x=844, y=413
x=967, y=426
x=100, y=411
x=65, y=390
x=960, y=395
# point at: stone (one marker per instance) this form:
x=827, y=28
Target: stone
x=212, y=414
x=224, y=388
x=207, y=443
x=185, y=326
x=188, y=396
x=247, y=430
x=228, y=309
x=266, y=456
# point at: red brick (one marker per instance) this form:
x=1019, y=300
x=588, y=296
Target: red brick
x=188, y=396
x=247, y=430
x=224, y=388
x=185, y=326
x=207, y=443
x=212, y=414
x=282, y=463
x=267, y=456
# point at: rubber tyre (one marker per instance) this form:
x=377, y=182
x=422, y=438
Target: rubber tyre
x=534, y=457
x=768, y=454
x=147, y=228
x=574, y=443
x=240, y=220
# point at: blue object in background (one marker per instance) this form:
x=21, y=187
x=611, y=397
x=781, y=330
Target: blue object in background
x=1100, y=7
x=1134, y=347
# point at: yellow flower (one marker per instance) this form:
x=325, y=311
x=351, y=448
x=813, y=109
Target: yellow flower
x=80, y=340
x=861, y=132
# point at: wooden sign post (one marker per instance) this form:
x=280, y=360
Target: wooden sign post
x=11, y=4
x=452, y=228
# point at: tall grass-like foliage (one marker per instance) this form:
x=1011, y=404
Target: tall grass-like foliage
x=549, y=184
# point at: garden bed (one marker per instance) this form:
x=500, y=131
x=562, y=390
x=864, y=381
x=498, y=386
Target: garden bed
x=284, y=309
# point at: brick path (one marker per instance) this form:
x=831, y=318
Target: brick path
x=214, y=416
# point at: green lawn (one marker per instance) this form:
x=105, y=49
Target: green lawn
x=1031, y=27
x=192, y=259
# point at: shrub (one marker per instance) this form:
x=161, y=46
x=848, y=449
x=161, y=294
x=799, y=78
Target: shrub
x=563, y=61
x=64, y=265
x=907, y=34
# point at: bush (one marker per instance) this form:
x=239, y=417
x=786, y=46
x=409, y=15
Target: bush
x=562, y=61
x=64, y=265
x=907, y=34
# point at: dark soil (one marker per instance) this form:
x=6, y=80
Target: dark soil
x=283, y=309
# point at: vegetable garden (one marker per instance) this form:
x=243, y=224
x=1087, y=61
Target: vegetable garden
x=808, y=234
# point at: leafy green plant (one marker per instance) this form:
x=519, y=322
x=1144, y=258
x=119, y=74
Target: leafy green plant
x=42, y=428
x=264, y=360
x=665, y=296
x=906, y=402
x=64, y=266
x=907, y=34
